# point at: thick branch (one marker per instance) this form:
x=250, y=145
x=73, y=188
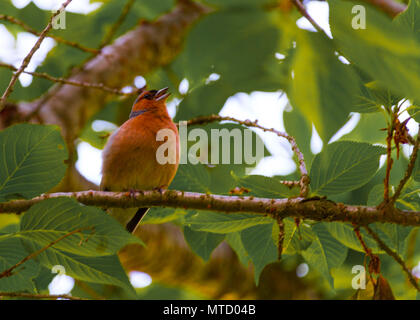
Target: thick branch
x=316, y=209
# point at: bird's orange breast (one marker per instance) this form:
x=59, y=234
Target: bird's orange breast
x=129, y=158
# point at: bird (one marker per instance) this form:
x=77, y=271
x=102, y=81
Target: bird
x=130, y=157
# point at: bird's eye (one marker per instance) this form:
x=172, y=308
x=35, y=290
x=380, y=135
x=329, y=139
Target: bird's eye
x=147, y=96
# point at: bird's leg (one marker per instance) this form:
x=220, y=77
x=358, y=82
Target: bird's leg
x=131, y=193
x=161, y=188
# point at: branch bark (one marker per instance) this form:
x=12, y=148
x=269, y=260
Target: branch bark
x=313, y=209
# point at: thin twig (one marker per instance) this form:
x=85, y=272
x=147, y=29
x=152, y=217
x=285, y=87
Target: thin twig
x=409, y=170
x=280, y=223
x=290, y=184
x=98, y=86
x=39, y=296
x=304, y=180
x=389, y=162
x=108, y=37
x=8, y=272
x=304, y=13
x=394, y=255
x=58, y=39
x=28, y=58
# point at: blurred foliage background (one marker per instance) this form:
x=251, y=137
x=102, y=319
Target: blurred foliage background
x=321, y=83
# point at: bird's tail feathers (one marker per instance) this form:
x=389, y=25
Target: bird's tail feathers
x=132, y=224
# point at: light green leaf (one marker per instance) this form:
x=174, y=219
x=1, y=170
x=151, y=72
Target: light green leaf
x=235, y=242
x=159, y=215
x=368, y=129
x=265, y=187
x=345, y=234
x=224, y=223
x=324, y=253
x=31, y=160
x=202, y=243
x=343, y=166
x=259, y=245
x=323, y=88
x=228, y=35
x=300, y=128
x=388, y=52
x=410, y=18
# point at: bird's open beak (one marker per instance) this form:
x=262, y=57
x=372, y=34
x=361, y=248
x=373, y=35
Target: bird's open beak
x=162, y=94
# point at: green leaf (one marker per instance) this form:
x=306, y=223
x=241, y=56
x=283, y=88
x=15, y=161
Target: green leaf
x=12, y=252
x=298, y=238
x=224, y=223
x=159, y=215
x=204, y=100
x=51, y=219
x=388, y=52
x=32, y=160
x=343, y=166
x=410, y=18
x=259, y=245
x=265, y=187
x=202, y=243
x=374, y=96
x=324, y=253
x=323, y=88
x=228, y=35
x=368, y=129
x=346, y=235
x=100, y=269
x=235, y=242
x=300, y=128
x=191, y=177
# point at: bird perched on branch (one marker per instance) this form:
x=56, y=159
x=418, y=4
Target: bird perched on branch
x=143, y=154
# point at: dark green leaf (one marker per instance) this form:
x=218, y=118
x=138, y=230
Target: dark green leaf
x=202, y=243
x=32, y=160
x=259, y=245
x=51, y=219
x=343, y=166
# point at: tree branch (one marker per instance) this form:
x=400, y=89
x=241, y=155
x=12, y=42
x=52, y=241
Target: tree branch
x=394, y=255
x=29, y=56
x=313, y=209
x=9, y=272
x=110, y=34
x=58, y=39
x=304, y=180
x=98, y=86
x=38, y=296
x=409, y=170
